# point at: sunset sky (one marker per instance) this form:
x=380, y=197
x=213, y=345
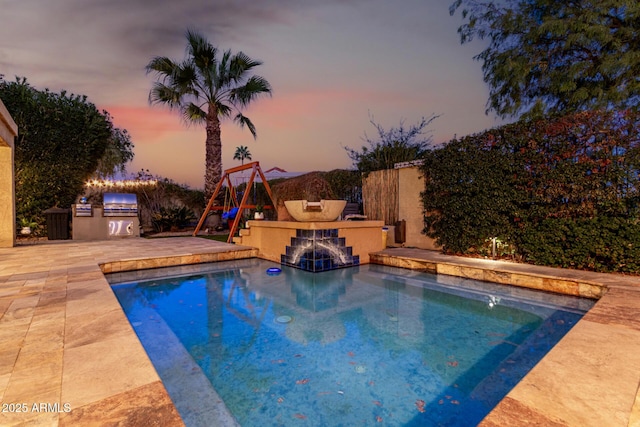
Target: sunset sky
x=332, y=65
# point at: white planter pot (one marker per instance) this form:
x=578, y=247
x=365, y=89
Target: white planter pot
x=258, y=215
x=25, y=231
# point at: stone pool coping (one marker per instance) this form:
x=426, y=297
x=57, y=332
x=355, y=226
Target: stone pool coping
x=65, y=340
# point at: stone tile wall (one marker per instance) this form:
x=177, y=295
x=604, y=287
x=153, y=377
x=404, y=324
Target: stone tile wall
x=319, y=250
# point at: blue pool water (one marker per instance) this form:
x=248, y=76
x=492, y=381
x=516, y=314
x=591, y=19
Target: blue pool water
x=367, y=345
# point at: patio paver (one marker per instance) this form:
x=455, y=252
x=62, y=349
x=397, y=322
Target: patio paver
x=68, y=355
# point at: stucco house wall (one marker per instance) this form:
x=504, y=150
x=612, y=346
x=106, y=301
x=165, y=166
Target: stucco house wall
x=410, y=185
x=393, y=196
x=8, y=132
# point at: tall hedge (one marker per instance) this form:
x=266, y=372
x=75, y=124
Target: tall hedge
x=62, y=140
x=562, y=191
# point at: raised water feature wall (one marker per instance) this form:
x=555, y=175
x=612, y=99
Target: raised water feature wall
x=326, y=242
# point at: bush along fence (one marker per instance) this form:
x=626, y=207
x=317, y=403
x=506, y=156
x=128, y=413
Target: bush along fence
x=562, y=191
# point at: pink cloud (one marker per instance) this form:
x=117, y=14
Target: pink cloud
x=146, y=123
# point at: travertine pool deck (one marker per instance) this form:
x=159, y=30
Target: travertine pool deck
x=65, y=341
x=68, y=355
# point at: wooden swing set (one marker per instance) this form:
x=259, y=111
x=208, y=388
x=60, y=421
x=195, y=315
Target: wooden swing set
x=233, y=199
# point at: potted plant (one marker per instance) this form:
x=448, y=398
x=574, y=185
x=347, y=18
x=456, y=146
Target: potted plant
x=259, y=214
x=27, y=226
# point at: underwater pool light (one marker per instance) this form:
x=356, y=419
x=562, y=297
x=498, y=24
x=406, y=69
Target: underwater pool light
x=284, y=319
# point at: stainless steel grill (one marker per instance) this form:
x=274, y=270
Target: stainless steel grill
x=84, y=209
x=120, y=204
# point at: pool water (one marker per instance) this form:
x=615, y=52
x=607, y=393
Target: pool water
x=367, y=345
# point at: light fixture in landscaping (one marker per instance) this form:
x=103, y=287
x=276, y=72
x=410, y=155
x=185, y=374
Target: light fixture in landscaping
x=493, y=247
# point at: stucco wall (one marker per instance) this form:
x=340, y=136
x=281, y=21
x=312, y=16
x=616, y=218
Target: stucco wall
x=8, y=132
x=410, y=185
x=97, y=227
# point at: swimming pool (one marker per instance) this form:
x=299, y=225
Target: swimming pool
x=356, y=346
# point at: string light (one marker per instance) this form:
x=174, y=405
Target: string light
x=127, y=183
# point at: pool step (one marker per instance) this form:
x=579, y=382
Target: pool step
x=243, y=232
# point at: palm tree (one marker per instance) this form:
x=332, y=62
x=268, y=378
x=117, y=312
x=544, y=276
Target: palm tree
x=207, y=87
x=242, y=153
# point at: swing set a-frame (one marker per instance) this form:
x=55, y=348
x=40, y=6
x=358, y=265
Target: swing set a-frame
x=233, y=199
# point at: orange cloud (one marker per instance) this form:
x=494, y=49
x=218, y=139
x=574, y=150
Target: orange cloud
x=146, y=123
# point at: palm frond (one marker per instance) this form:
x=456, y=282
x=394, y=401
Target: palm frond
x=223, y=109
x=206, y=78
x=193, y=114
x=253, y=88
x=185, y=79
x=200, y=50
x=241, y=64
x=163, y=94
x=222, y=70
x=244, y=121
x=203, y=59
x=161, y=65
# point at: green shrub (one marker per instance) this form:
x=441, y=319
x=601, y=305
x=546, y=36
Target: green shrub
x=63, y=139
x=599, y=244
x=564, y=191
x=175, y=217
x=470, y=195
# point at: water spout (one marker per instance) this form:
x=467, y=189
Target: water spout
x=333, y=250
x=300, y=249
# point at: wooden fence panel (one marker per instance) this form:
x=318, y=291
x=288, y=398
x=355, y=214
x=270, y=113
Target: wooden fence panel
x=380, y=195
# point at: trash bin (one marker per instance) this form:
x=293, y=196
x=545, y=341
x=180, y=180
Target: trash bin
x=57, y=220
